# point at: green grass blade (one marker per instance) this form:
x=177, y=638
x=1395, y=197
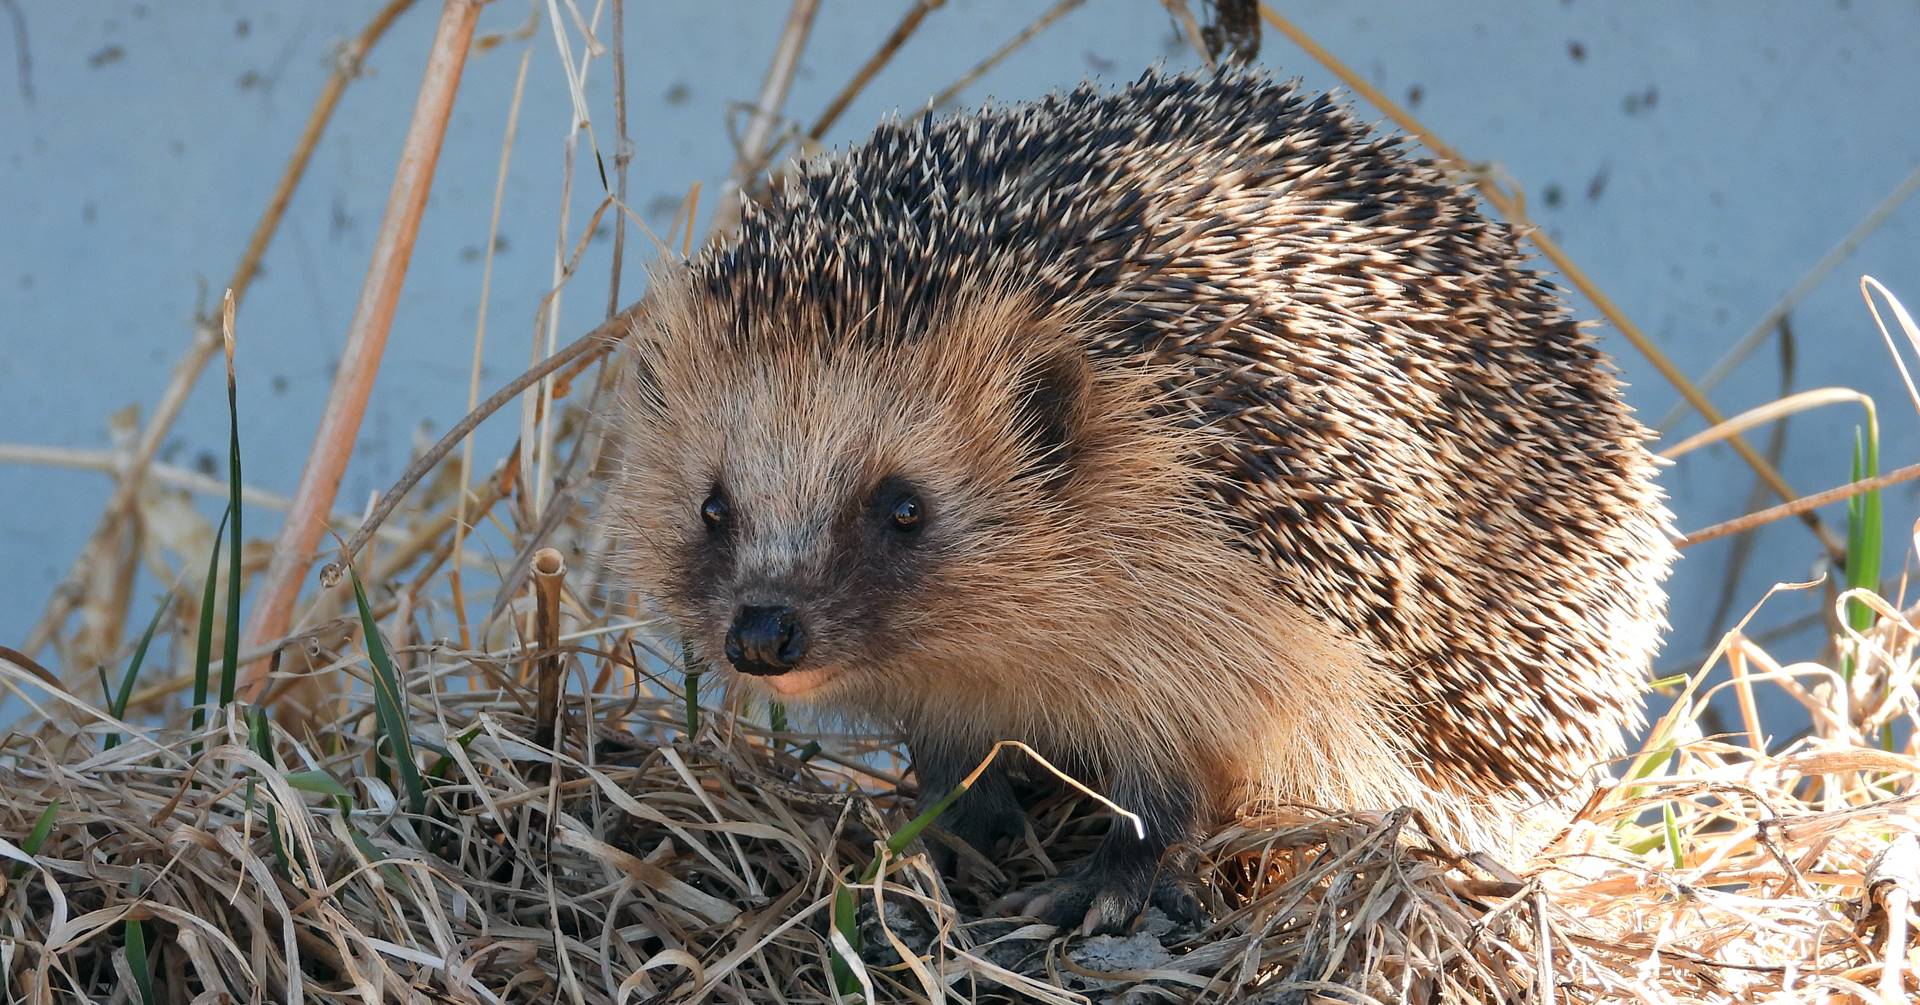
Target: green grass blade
x=203, y=646
x=1670, y=827
x=390, y=708
x=693, y=703
x=137, y=960
x=1638, y=840
x=1855, y=525
x=1864, y=568
x=1863, y=534
x=691, y=672
x=137, y=951
x=319, y=783
x=374, y=854
x=1656, y=761
x=262, y=735
x=230, y=653
x=843, y=919
x=117, y=703
x=897, y=844
x=36, y=837
x=1856, y=528
x=777, y=722
x=443, y=765
x=843, y=906
x=41, y=829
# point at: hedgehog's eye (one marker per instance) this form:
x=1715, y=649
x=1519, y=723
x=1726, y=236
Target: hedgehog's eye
x=895, y=506
x=715, y=513
x=906, y=514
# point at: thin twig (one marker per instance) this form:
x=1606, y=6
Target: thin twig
x=591, y=344
x=367, y=335
x=536, y=413
x=874, y=64
x=515, y=575
x=1799, y=506
x=757, y=145
x=622, y=153
x=1183, y=16
x=773, y=90
x=1040, y=24
x=1511, y=208
x=587, y=445
x=454, y=580
x=173, y=476
x=1892, y=886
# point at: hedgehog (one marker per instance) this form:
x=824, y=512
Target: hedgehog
x=1191, y=432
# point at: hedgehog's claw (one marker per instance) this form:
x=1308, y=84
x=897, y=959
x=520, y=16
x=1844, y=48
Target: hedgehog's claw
x=1174, y=895
x=1097, y=902
x=1077, y=900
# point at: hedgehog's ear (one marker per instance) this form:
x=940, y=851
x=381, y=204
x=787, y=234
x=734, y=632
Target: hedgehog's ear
x=1048, y=401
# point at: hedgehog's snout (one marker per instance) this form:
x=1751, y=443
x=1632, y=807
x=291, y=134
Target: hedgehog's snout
x=765, y=641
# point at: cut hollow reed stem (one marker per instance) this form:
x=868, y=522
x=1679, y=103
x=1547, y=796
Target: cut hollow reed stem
x=549, y=579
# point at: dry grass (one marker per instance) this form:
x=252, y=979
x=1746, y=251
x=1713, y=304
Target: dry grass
x=645, y=865
x=628, y=848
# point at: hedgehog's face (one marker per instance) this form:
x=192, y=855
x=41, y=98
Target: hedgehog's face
x=799, y=595
x=824, y=518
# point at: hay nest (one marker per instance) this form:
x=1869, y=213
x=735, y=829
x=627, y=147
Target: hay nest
x=637, y=862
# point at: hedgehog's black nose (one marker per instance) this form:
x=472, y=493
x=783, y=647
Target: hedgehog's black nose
x=766, y=640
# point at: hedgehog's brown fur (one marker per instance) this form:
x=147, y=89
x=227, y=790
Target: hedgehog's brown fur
x=1257, y=462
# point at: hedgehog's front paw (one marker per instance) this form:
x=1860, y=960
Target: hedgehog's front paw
x=1098, y=901
x=986, y=818
x=985, y=835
